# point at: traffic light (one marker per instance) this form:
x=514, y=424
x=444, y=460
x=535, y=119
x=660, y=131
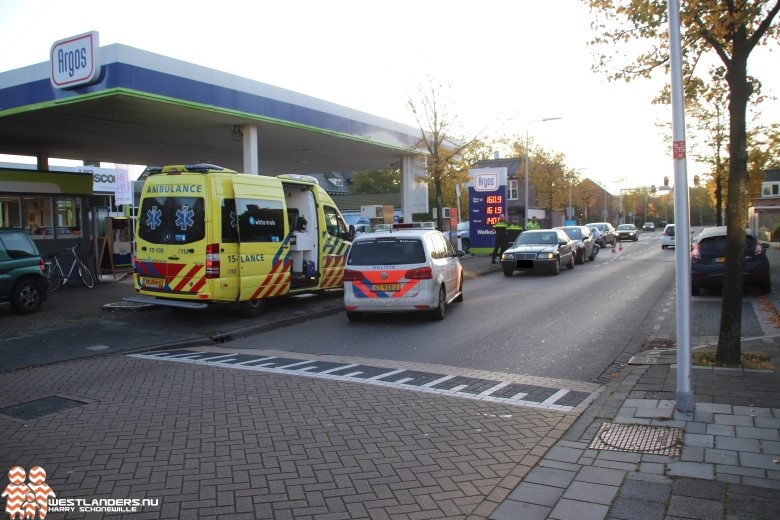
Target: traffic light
x=666, y=180
x=695, y=180
x=652, y=189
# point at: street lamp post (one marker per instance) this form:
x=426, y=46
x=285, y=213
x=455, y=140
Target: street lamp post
x=526, y=161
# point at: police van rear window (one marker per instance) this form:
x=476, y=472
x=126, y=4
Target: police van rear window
x=387, y=251
x=172, y=220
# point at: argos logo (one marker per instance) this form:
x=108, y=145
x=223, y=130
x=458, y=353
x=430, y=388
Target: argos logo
x=74, y=61
x=486, y=182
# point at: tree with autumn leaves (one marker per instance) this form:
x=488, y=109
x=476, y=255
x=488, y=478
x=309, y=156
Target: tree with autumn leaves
x=449, y=156
x=727, y=31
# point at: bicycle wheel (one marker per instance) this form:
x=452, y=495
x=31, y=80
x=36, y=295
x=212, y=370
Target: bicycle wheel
x=86, y=275
x=54, y=278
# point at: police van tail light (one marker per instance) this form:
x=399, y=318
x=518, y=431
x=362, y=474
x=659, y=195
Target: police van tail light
x=351, y=275
x=421, y=273
x=212, y=261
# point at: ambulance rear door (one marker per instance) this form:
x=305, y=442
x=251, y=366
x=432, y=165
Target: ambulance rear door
x=172, y=236
x=264, y=235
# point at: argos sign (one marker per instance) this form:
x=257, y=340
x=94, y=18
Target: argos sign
x=74, y=61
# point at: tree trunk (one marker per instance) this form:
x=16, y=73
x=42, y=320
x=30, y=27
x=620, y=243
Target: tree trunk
x=439, y=204
x=729, y=346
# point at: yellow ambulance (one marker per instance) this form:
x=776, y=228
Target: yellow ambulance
x=206, y=234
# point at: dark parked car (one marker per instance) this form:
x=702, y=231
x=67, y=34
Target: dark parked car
x=539, y=250
x=708, y=261
x=606, y=233
x=627, y=232
x=583, y=239
x=22, y=283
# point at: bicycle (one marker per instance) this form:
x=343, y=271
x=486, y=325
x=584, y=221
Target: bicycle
x=57, y=277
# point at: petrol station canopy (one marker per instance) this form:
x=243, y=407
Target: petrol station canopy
x=144, y=108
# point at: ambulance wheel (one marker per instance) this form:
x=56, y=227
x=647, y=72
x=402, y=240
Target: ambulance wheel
x=252, y=308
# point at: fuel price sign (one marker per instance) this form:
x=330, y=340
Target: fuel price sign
x=487, y=201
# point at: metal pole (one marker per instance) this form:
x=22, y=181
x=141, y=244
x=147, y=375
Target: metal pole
x=526, y=162
x=682, y=250
x=526, y=176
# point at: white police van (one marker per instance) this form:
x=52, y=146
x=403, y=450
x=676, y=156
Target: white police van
x=398, y=268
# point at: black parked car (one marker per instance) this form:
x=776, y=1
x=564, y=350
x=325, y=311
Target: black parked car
x=606, y=233
x=583, y=239
x=539, y=250
x=708, y=261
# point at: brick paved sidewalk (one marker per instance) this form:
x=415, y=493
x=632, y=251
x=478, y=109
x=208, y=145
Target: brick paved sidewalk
x=218, y=442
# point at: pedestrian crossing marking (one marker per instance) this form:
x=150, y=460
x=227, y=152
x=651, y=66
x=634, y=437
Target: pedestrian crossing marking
x=496, y=390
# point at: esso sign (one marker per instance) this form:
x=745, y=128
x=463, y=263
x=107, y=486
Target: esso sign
x=74, y=61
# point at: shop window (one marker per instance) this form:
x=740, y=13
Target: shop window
x=10, y=212
x=40, y=222
x=67, y=217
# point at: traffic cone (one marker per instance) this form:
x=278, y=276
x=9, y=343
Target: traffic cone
x=613, y=246
x=620, y=246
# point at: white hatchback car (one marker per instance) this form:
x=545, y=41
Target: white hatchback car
x=399, y=270
x=667, y=237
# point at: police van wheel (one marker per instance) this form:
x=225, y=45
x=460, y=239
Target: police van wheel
x=459, y=298
x=354, y=316
x=252, y=308
x=441, y=308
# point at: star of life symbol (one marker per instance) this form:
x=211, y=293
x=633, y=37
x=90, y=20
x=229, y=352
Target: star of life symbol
x=233, y=220
x=30, y=499
x=184, y=218
x=153, y=219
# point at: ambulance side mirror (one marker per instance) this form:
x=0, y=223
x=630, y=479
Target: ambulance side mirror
x=351, y=233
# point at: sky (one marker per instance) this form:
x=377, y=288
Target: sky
x=508, y=64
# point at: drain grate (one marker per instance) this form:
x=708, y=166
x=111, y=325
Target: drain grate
x=40, y=407
x=635, y=438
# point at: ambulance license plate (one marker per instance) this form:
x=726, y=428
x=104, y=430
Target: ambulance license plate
x=152, y=283
x=386, y=286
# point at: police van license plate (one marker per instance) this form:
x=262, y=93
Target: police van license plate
x=386, y=286
x=152, y=283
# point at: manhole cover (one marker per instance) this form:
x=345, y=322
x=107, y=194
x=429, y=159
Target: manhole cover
x=40, y=407
x=637, y=438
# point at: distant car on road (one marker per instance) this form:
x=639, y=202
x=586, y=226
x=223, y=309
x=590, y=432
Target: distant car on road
x=539, y=250
x=667, y=237
x=583, y=239
x=708, y=261
x=649, y=226
x=463, y=234
x=627, y=232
